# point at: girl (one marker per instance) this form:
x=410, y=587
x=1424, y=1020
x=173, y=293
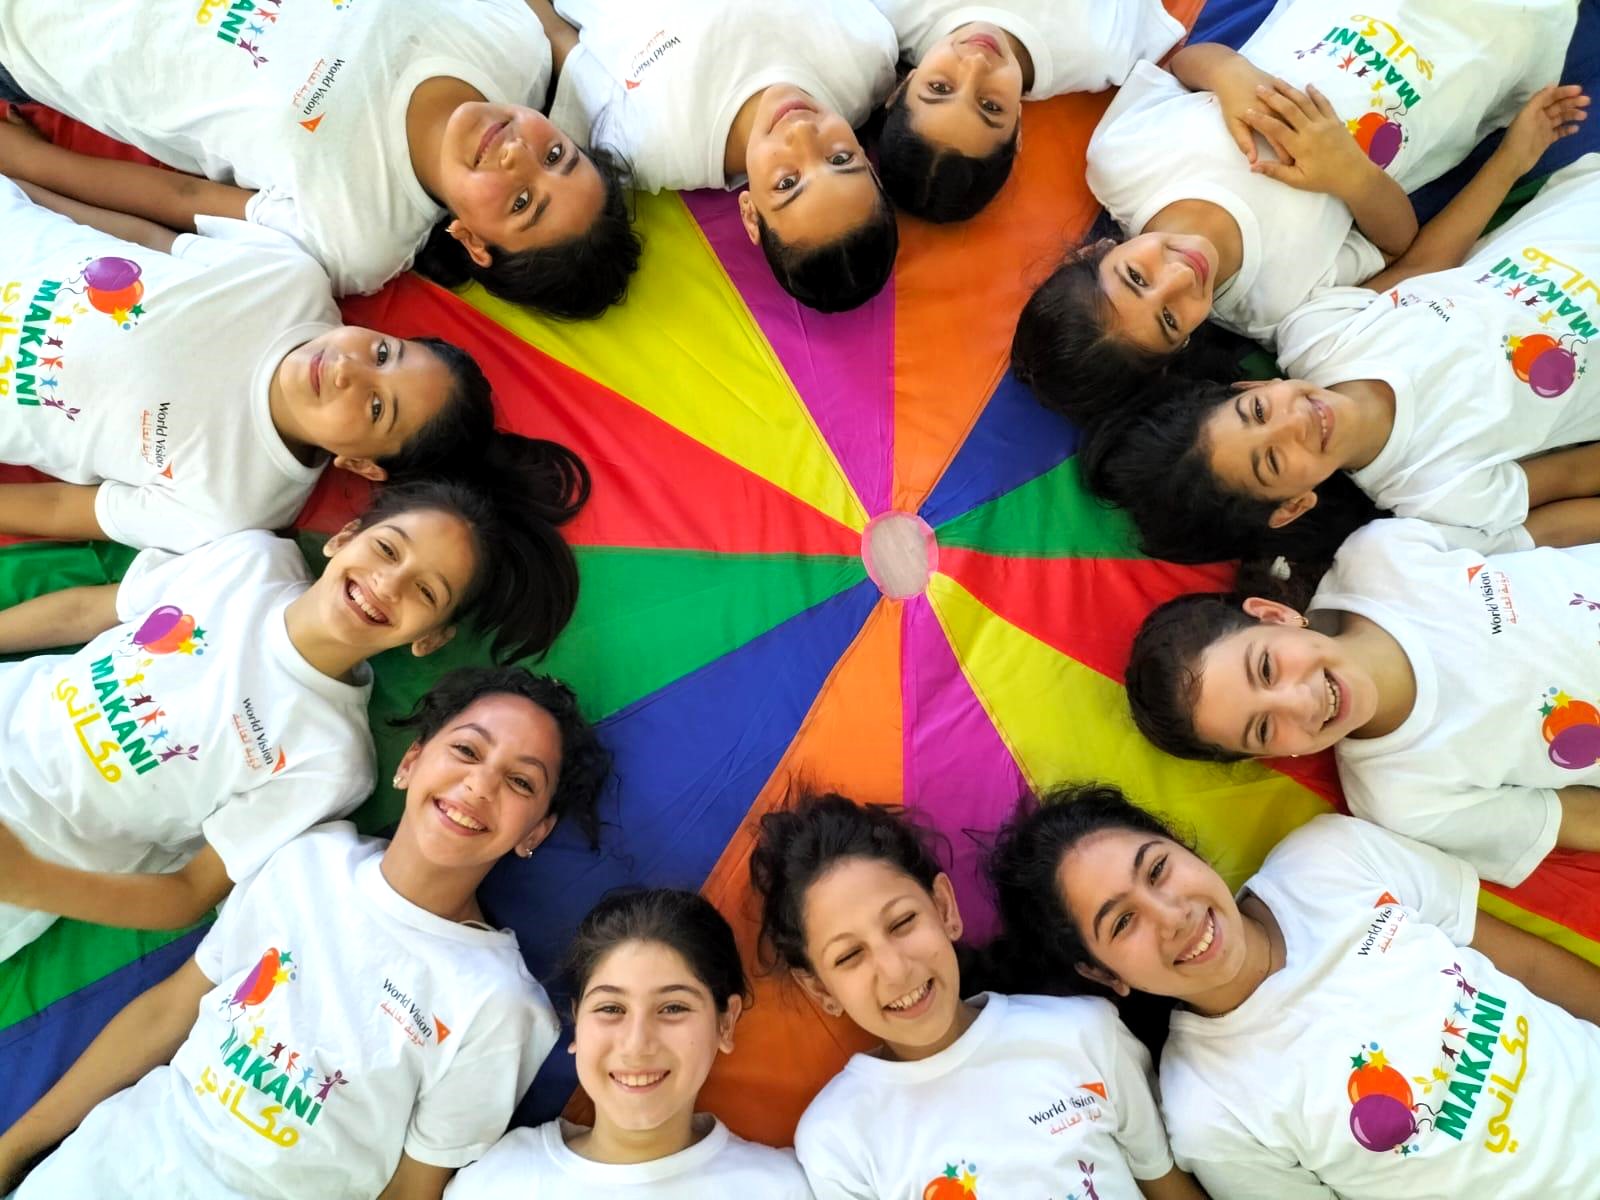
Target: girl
x=219, y=707
x=994, y=1094
x=1440, y=676
x=355, y=128
x=1224, y=225
x=658, y=988
x=295, y=1055
x=696, y=95
x=205, y=394
x=1348, y=1025
x=1439, y=397
x=954, y=121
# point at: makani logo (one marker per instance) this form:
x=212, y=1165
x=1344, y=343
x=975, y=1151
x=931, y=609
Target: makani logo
x=243, y=24
x=419, y=1026
x=958, y=1181
x=1494, y=590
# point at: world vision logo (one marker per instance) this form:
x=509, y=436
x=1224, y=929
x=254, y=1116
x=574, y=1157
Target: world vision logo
x=1494, y=593
x=310, y=100
x=419, y=1024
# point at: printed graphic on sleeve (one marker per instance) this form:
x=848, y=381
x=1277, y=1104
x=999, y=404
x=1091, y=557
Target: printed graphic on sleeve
x=1571, y=728
x=958, y=1181
x=1373, y=51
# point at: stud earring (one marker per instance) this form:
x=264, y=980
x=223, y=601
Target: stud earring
x=397, y=782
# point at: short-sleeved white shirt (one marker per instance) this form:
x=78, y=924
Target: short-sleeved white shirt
x=195, y=720
x=305, y=101
x=1382, y=995
x=1443, y=72
x=163, y=400
x=1496, y=642
x=1038, y=1089
x=347, y=1026
x=1075, y=45
x=660, y=81
x=537, y=1164
x=1487, y=360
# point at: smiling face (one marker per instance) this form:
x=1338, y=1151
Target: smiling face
x=646, y=1032
x=360, y=394
x=966, y=93
x=395, y=582
x=1279, y=442
x=512, y=180
x=481, y=786
x=1158, y=918
x=809, y=178
x=1159, y=286
x=1279, y=689
x=881, y=946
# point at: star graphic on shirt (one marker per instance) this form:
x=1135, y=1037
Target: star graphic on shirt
x=1358, y=1061
x=280, y=976
x=1404, y=1150
x=136, y=311
x=969, y=1181
x=286, y=959
x=1379, y=1059
x=1545, y=710
x=199, y=633
x=1454, y=1030
x=950, y=1171
x=1562, y=699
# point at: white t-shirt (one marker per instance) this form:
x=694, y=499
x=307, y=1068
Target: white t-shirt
x=347, y=1025
x=1502, y=647
x=168, y=405
x=660, y=81
x=1038, y=1091
x=537, y=1164
x=194, y=719
x=1076, y=45
x=1487, y=361
x=1482, y=1088
x=304, y=101
x=1442, y=72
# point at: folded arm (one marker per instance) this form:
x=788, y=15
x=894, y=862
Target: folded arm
x=1544, y=968
x=63, y=618
x=1564, y=496
x=52, y=510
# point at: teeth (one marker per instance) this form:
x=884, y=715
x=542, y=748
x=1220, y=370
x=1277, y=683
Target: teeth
x=1333, y=697
x=460, y=818
x=639, y=1080
x=356, y=593
x=1204, y=943
x=910, y=998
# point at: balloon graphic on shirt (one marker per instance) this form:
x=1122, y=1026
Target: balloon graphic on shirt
x=1373, y=1080
x=1573, y=712
x=272, y=970
x=1572, y=728
x=113, y=286
x=1380, y=137
x=165, y=631
x=958, y=1181
x=112, y=274
x=1381, y=1122
x=1543, y=363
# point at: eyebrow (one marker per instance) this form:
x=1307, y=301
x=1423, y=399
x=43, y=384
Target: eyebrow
x=450, y=592
x=1255, y=454
x=613, y=990
x=1250, y=678
x=538, y=211
x=935, y=98
x=1138, y=863
x=489, y=737
x=1161, y=326
x=890, y=903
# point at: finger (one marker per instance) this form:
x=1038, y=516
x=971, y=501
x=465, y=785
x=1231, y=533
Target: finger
x=1274, y=170
x=1280, y=106
x=1298, y=98
x=1243, y=138
x=1324, y=105
x=1269, y=127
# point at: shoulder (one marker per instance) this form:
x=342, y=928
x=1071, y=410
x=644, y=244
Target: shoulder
x=504, y=1170
x=1330, y=838
x=1383, y=555
x=778, y=1170
x=330, y=851
x=256, y=552
x=839, y=1104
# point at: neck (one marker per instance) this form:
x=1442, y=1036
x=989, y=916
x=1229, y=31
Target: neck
x=284, y=421
x=427, y=114
x=445, y=892
x=606, y=1143
x=1375, y=649
x=1210, y=221
x=307, y=635
x=1374, y=412
x=965, y=1016
x=1263, y=955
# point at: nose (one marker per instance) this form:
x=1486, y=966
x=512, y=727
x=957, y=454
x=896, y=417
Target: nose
x=638, y=1035
x=802, y=135
x=348, y=371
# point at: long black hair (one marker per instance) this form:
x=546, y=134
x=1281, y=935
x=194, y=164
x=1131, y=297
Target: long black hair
x=578, y=278
x=585, y=762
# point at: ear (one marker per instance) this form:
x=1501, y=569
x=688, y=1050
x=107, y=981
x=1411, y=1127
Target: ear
x=363, y=467
x=1103, y=977
x=536, y=835
x=402, y=773
x=1292, y=509
x=429, y=642
x=814, y=988
x=341, y=539
x=477, y=249
x=1271, y=612
x=899, y=92
x=944, y=902
x=727, y=1021
x=748, y=217
x=1104, y=246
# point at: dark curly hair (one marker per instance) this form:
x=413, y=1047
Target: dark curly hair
x=932, y=181
x=844, y=274
x=578, y=278
x=585, y=763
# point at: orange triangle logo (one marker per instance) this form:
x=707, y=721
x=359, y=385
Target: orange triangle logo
x=1386, y=898
x=167, y=474
x=631, y=84
x=444, y=1030
x=1473, y=571
x=283, y=761
x=1098, y=1088
x=311, y=125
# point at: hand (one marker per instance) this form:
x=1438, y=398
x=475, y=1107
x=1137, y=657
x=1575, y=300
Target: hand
x=1550, y=114
x=1237, y=90
x=1318, y=152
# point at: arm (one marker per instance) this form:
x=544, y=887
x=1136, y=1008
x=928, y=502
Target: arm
x=1580, y=817
x=145, y=1034
x=1544, y=968
x=169, y=198
x=1233, y=78
x=563, y=36
x=1564, y=496
x=1326, y=158
x=415, y=1180
x=55, y=510
x=1445, y=241
x=154, y=901
x=1174, y=1185
x=62, y=618
x=119, y=225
